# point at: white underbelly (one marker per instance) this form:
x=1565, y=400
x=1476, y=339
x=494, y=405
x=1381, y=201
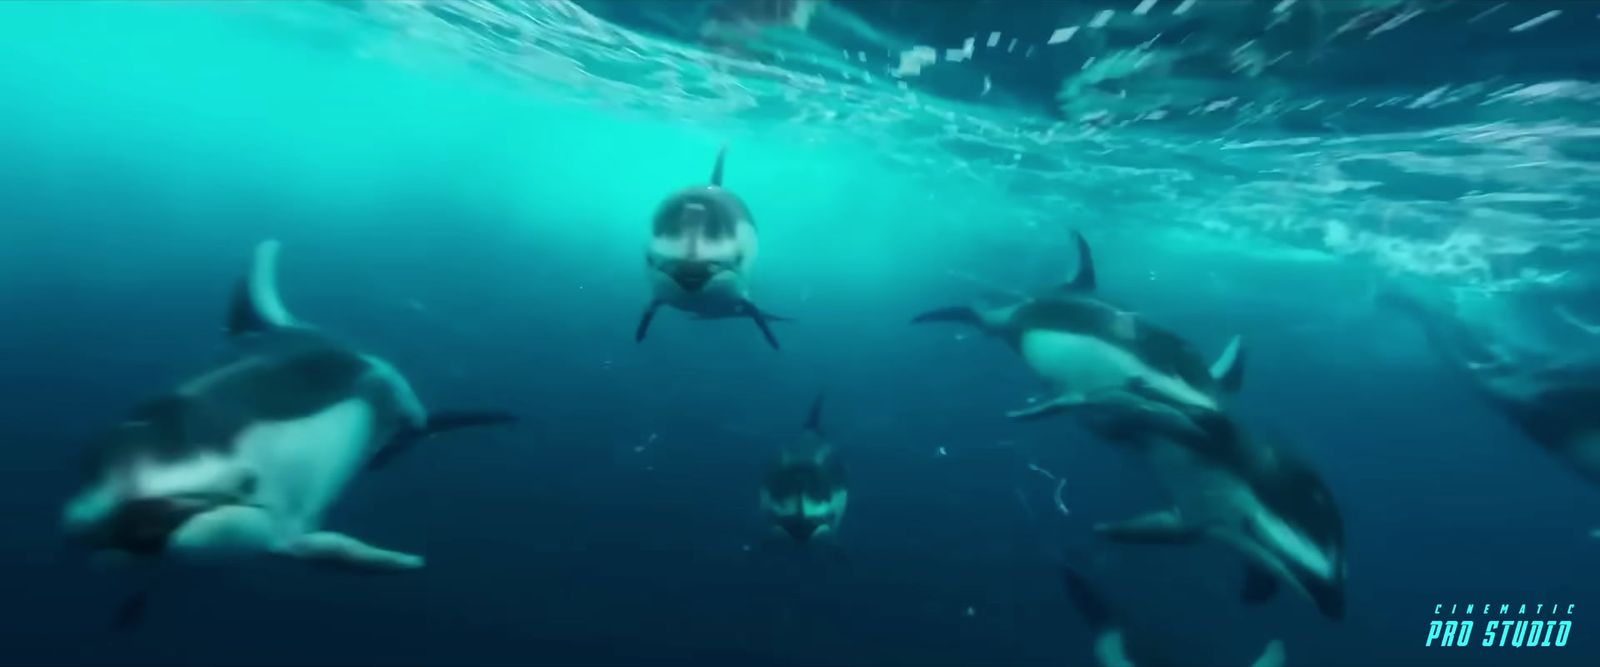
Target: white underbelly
x=303, y=465
x=1077, y=364
x=1210, y=496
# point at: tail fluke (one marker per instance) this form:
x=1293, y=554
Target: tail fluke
x=438, y=422
x=1273, y=656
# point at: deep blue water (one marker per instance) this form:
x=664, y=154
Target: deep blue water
x=482, y=232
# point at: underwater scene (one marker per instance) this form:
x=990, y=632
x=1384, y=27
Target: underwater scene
x=800, y=332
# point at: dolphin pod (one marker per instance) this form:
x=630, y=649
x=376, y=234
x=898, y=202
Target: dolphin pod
x=244, y=459
x=1139, y=386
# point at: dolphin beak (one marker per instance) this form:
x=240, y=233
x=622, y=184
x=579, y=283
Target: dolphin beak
x=692, y=277
x=799, y=528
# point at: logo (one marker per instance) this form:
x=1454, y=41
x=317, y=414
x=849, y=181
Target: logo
x=1541, y=625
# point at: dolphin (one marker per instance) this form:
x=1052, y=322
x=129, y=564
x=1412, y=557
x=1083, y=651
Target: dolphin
x=1118, y=643
x=1555, y=403
x=1230, y=487
x=1092, y=352
x=246, y=457
x=703, y=243
x=805, y=491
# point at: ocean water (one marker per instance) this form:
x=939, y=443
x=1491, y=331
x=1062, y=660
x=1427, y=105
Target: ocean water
x=465, y=189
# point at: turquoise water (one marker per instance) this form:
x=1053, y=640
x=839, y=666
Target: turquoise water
x=466, y=187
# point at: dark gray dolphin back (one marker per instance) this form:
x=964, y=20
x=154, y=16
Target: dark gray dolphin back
x=712, y=210
x=248, y=389
x=1073, y=307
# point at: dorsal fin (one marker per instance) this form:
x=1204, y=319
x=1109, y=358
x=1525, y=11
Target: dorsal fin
x=814, y=418
x=1228, y=369
x=716, y=171
x=256, y=306
x=1083, y=280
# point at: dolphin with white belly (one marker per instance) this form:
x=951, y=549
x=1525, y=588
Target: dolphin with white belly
x=1232, y=488
x=805, y=492
x=702, y=245
x=1091, y=352
x=1120, y=643
x=1555, y=403
x=245, y=458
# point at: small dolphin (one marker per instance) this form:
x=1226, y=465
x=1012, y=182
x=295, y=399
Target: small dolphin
x=246, y=458
x=1092, y=352
x=1556, y=404
x=702, y=245
x=805, y=493
x=1238, y=490
x=1117, y=643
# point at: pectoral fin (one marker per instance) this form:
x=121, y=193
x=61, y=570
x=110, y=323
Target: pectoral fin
x=644, y=321
x=340, y=551
x=763, y=321
x=439, y=421
x=1163, y=527
x=1125, y=403
x=1041, y=409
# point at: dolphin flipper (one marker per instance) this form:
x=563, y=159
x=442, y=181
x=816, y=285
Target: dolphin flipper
x=340, y=551
x=1057, y=405
x=644, y=320
x=1161, y=527
x=438, y=422
x=1122, y=403
x=256, y=306
x=1228, y=369
x=1259, y=586
x=762, y=321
